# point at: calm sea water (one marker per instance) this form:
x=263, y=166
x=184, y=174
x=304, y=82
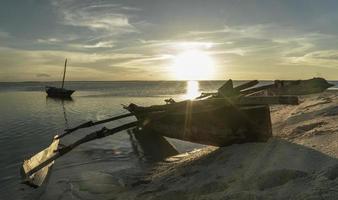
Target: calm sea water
x=29, y=120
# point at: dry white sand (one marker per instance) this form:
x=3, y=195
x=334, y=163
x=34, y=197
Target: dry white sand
x=299, y=162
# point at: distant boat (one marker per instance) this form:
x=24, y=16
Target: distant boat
x=60, y=92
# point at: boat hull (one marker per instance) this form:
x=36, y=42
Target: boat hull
x=59, y=92
x=299, y=87
x=218, y=126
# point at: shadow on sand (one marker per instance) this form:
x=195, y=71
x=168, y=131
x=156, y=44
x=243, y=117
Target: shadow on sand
x=274, y=170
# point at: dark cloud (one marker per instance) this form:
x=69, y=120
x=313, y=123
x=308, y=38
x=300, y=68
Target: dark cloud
x=42, y=75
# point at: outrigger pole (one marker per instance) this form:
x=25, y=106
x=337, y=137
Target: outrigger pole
x=43, y=160
x=91, y=123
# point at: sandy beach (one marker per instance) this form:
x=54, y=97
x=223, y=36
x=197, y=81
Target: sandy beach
x=299, y=162
x=117, y=77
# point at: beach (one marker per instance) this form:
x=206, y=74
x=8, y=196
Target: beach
x=159, y=100
x=300, y=161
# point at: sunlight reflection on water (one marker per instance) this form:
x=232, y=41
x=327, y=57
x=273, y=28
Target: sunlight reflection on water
x=192, y=90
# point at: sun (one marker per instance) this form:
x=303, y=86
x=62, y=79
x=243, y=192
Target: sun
x=193, y=65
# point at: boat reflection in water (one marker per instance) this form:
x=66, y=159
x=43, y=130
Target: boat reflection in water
x=61, y=101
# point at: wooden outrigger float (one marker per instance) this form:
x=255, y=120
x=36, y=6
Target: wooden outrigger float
x=229, y=116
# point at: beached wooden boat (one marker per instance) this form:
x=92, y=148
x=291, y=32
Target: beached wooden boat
x=222, y=119
x=212, y=125
x=291, y=87
x=60, y=92
x=219, y=119
x=299, y=87
x=215, y=121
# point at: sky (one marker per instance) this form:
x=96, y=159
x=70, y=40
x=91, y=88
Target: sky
x=142, y=39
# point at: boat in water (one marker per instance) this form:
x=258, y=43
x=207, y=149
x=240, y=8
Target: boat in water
x=60, y=92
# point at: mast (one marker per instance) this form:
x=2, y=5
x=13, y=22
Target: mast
x=64, y=74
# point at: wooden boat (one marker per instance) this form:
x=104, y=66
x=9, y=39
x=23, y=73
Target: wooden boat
x=220, y=119
x=212, y=122
x=299, y=87
x=60, y=92
x=291, y=87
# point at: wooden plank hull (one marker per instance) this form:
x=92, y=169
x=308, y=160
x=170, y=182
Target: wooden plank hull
x=218, y=126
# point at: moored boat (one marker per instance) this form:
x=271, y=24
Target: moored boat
x=60, y=92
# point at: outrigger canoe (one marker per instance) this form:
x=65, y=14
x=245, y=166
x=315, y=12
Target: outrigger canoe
x=216, y=121
x=218, y=126
x=223, y=118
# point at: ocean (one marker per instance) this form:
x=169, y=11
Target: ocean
x=29, y=119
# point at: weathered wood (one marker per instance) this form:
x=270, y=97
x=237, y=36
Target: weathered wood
x=246, y=85
x=227, y=90
x=291, y=87
x=36, y=165
x=256, y=89
x=213, y=103
x=205, y=95
x=37, y=178
x=269, y=100
x=151, y=146
x=299, y=87
x=219, y=126
x=91, y=123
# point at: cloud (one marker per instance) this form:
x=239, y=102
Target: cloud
x=325, y=58
x=101, y=44
x=325, y=55
x=103, y=16
x=81, y=66
x=4, y=34
x=49, y=40
x=41, y=75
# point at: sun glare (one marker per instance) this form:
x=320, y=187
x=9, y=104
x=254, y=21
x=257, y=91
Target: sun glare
x=192, y=90
x=193, y=65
